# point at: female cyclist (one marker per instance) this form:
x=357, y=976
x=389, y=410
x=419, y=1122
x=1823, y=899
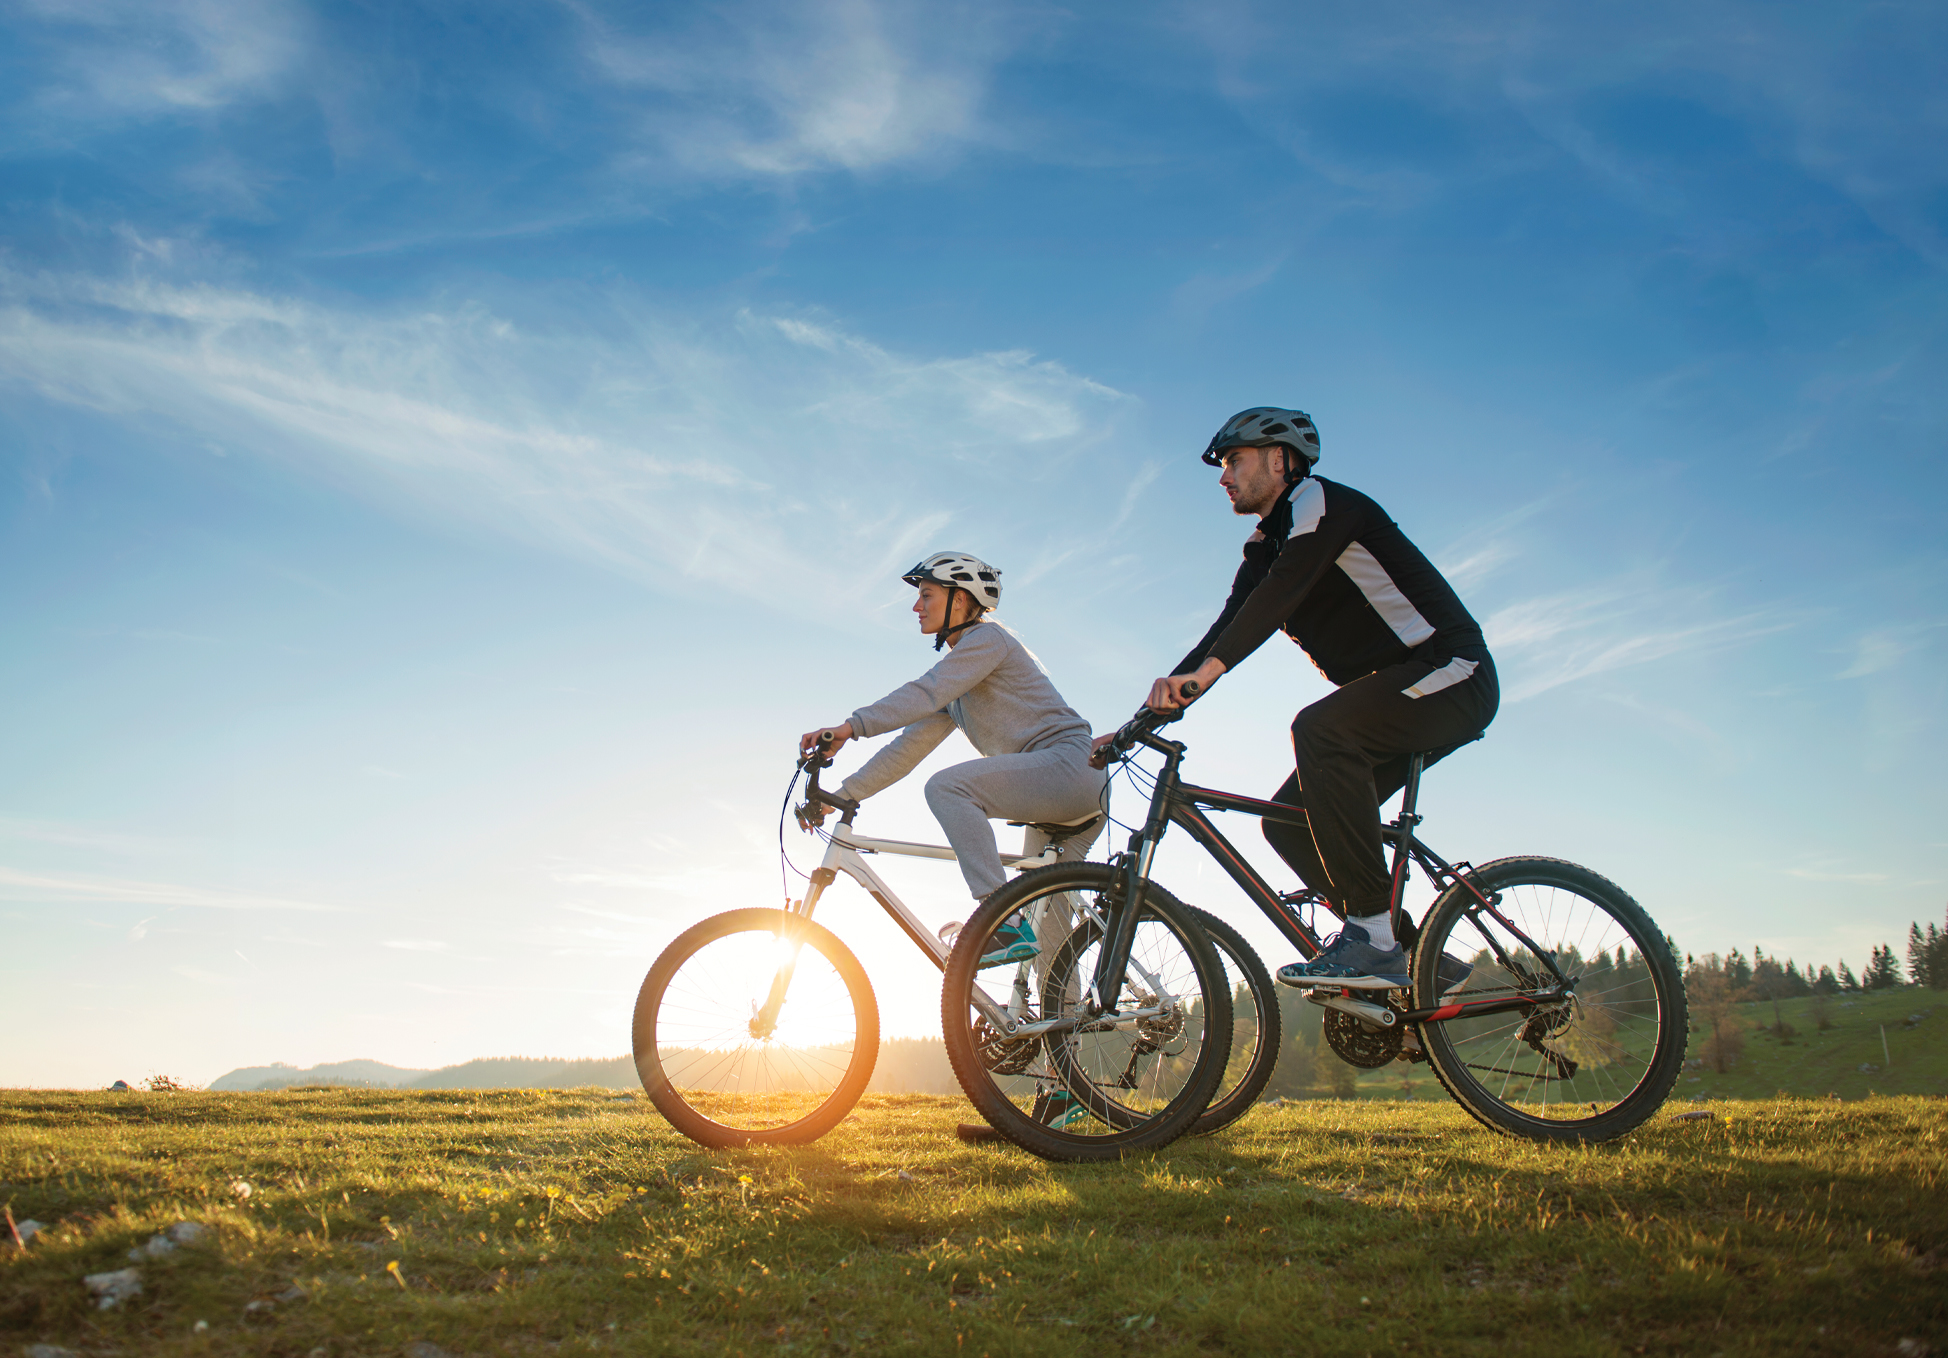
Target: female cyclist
x=990, y=686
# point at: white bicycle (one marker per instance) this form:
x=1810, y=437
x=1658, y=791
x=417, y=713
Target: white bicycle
x=759, y=1026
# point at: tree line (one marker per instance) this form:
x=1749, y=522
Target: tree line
x=1715, y=985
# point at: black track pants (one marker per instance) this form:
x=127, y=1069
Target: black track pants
x=1352, y=749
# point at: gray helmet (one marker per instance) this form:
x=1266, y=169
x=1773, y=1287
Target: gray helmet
x=1264, y=425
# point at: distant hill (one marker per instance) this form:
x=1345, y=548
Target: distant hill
x=361, y=1074
x=1847, y=1058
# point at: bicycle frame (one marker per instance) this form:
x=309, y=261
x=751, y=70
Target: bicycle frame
x=1176, y=802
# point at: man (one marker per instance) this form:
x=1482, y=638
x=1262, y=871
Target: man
x=1412, y=672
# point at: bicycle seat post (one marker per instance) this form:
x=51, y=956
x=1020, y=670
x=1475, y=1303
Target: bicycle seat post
x=1411, y=795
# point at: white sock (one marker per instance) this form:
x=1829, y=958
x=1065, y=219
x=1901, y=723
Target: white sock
x=1379, y=930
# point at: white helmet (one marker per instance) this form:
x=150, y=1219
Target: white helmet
x=958, y=570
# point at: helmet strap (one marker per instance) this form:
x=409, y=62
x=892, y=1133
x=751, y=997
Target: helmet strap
x=941, y=637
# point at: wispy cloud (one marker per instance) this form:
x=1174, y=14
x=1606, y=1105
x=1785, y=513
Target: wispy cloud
x=416, y=944
x=1398, y=103
x=1543, y=643
x=1818, y=875
x=1882, y=648
x=134, y=57
x=662, y=446
x=20, y=885
x=781, y=87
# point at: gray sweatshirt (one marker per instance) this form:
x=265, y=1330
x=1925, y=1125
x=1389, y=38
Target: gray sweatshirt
x=990, y=686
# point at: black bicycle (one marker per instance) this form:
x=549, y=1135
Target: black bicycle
x=1547, y=1002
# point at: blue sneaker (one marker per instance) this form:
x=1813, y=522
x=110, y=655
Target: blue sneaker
x=1352, y=962
x=1059, y=1110
x=1012, y=942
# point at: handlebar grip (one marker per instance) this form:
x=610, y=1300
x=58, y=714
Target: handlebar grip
x=1191, y=689
x=825, y=739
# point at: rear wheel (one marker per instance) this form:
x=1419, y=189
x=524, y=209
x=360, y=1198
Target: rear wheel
x=1589, y=1065
x=1255, y=1026
x=1132, y=1079
x=755, y=1027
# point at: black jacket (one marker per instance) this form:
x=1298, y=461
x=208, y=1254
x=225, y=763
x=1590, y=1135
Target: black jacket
x=1329, y=567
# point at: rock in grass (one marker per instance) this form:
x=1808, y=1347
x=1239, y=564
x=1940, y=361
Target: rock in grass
x=188, y=1233
x=241, y=1189
x=25, y=1231
x=48, y=1351
x=419, y=1348
x=111, y=1289
x=157, y=1247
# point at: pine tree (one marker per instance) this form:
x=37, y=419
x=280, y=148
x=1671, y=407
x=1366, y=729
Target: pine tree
x=1883, y=972
x=1738, y=972
x=1917, y=956
x=1796, y=984
x=1846, y=977
x=1827, y=984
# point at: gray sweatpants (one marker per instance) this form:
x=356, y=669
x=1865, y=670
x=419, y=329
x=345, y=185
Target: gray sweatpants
x=1054, y=783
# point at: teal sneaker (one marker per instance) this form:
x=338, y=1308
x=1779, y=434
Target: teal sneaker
x=1012, y=942
x=1059, y=1110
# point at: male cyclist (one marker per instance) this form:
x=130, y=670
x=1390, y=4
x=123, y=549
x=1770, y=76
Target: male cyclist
x=1328, y=567
x=1036, y=764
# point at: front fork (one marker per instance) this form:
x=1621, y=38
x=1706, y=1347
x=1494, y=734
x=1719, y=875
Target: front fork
x=764, y=1018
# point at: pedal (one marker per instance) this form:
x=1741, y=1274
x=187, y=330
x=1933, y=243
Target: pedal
x=1379, y=1015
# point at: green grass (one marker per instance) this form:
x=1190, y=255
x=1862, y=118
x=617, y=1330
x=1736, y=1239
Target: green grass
x=1817, y=1063
x=1809, y=1063
x=567, y=1222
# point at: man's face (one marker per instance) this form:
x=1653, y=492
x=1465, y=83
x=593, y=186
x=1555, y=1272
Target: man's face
x=1254, y=478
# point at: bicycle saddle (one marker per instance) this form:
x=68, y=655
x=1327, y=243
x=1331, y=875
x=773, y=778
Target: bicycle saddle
x=1059, y=830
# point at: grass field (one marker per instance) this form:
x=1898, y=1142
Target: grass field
x=565, y=1222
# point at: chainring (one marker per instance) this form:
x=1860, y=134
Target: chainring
x=1359, y=1045
x=1004, y=1055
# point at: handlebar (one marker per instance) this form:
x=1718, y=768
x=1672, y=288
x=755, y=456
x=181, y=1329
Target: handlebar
x=810, y=764
x=1146, y=720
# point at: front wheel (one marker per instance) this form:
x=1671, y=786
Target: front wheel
x=1085, y=1088
x=1589, y=1062
x=756, y=1027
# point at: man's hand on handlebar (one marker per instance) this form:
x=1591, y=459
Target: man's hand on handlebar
x=1180, y=690
x=817, y=740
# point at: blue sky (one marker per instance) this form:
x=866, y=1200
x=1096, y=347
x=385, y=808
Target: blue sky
x=451, y=451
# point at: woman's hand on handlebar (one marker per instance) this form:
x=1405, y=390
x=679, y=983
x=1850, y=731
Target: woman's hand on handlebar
x=839, y=735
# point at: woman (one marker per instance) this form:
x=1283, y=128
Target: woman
x=1036, y=747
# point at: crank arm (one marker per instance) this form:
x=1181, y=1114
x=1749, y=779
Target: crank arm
x=1100, y=1023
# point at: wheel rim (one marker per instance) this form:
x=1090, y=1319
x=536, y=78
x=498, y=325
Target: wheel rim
x=724, y=1061
x=1567, y=1062
x=1108, y=1078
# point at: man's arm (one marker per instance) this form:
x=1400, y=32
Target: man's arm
x=1321, y=535
x=1240, y=591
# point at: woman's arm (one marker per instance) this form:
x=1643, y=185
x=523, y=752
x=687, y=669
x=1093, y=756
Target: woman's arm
x=976, y=656
x=894, y=762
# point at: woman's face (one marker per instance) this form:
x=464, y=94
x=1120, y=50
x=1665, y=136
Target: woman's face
x=931, y=607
